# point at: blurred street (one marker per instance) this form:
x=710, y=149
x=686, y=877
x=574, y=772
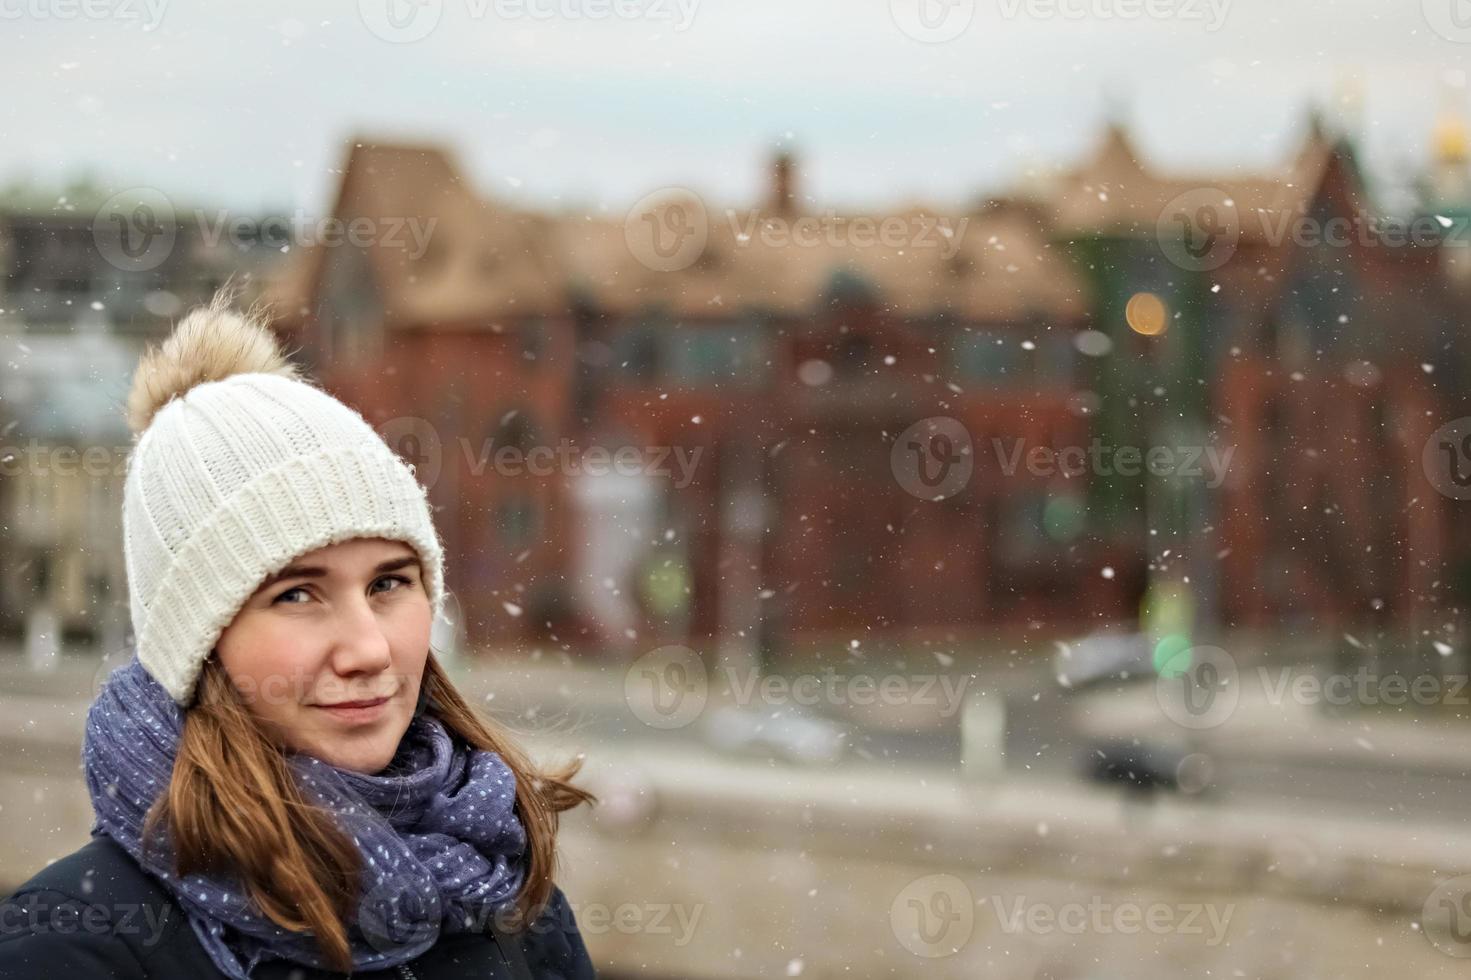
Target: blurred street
x=1277, y=858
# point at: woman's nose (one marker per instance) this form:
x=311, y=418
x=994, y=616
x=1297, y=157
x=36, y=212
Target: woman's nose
x=361, y=643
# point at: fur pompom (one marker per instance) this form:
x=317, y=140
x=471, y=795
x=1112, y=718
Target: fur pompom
x=211, y=343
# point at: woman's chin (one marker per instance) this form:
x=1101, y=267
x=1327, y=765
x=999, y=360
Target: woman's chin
x=363, y=758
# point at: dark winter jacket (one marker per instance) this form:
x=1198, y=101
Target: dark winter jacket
x=94, y=914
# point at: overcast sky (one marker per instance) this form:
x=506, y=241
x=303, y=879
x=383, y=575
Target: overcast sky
x=250, y=105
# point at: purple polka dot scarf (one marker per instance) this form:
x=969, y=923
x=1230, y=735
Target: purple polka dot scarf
x=441, y=845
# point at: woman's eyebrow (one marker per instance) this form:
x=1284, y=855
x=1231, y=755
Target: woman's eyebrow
x=317, y=571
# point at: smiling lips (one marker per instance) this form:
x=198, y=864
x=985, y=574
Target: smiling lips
x=354, y=704
x=355, y=711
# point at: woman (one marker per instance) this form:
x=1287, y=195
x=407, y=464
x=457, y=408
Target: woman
x=285, y=782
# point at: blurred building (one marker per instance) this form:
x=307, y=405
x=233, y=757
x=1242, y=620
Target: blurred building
x=1318, y=347
x=787, y=370
x=792, y=368
x=78, y=302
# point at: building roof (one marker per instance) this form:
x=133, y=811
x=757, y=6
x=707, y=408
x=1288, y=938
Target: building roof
x=1113, y=192
x=473, y=258
x=487, y=259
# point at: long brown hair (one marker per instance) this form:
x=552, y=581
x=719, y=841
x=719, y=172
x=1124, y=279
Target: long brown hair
x=233, y=805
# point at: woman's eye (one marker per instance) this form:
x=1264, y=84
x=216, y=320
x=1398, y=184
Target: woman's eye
x=401, y=580
x=288, y=592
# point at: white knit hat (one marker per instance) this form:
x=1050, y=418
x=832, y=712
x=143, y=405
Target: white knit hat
x=239, y=466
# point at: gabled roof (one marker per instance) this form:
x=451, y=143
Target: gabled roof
x=1114, y=193
x=473, y=258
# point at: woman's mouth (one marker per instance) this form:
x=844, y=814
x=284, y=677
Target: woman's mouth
x=355, y=711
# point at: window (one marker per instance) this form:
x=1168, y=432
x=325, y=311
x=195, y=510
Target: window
x=636, y=352
x=517, y=522
x=517, y=429
x=1021, y=529
x=715, y=355
x=852, y=359
x=533, y=335
x=351, y=315
x=990, y=355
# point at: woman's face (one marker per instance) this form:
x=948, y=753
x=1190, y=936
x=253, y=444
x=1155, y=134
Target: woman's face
x=345, y=623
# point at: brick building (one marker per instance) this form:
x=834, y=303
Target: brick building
x=785, y=371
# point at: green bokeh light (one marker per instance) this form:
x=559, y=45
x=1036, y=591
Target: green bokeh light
x=1172, y=655
x=666, y=586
